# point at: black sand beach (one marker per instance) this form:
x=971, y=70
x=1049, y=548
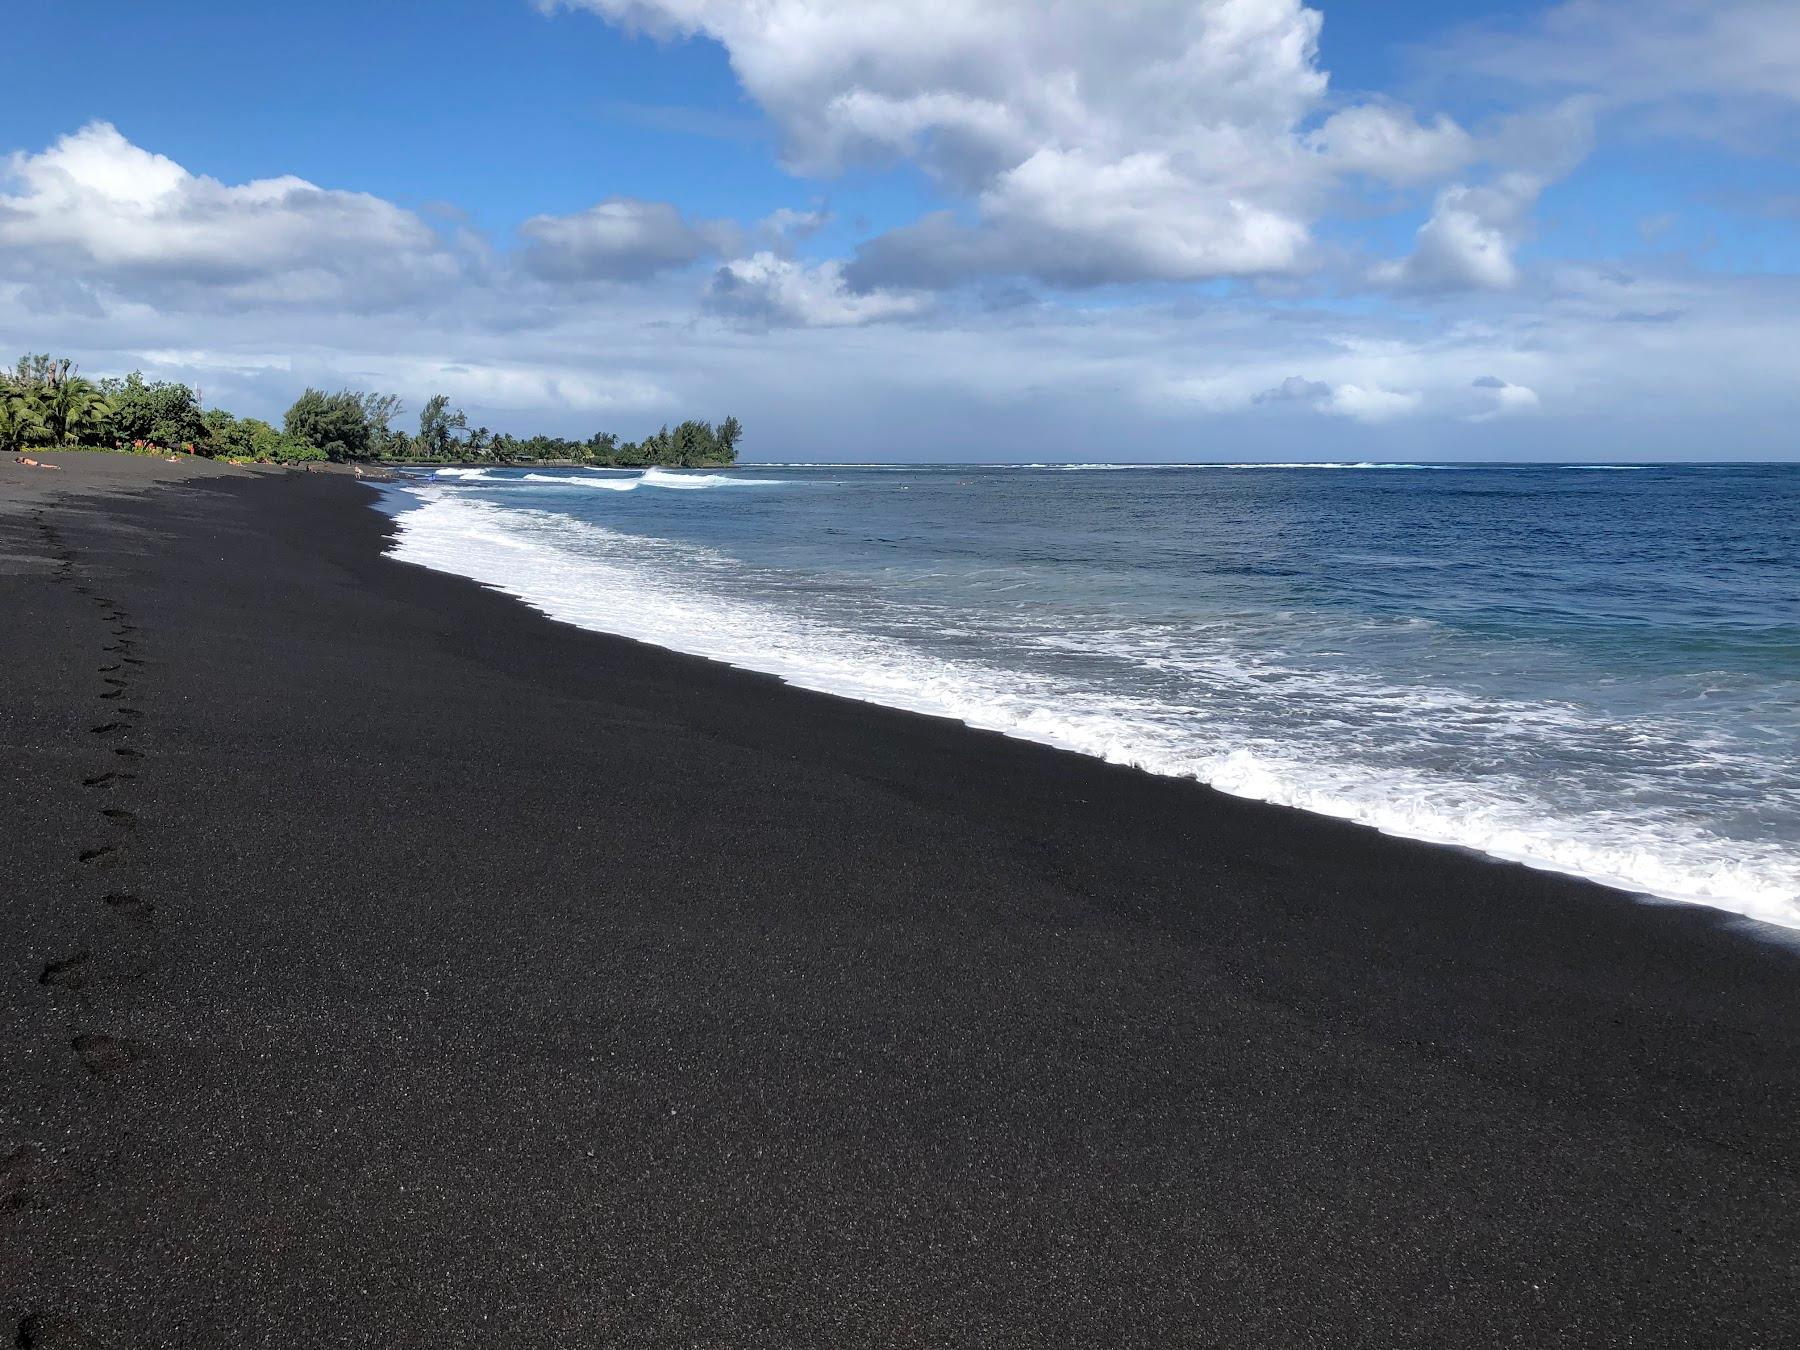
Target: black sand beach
x=387, y=965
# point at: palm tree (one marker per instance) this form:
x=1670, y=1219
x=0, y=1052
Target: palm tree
x=70, y=406
x=20, y=423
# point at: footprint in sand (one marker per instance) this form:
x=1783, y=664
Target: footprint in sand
x=53, y=1331
x=103, y=856
x=111, y=778
x=106, y=1056
x=131, y=906
x=69, y=973
x=24, y=1177
x=124, y=819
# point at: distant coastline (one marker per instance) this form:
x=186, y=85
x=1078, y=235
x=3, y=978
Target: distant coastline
x=45, y=403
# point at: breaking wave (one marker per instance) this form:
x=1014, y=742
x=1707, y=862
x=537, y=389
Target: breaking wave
x=1243, y=718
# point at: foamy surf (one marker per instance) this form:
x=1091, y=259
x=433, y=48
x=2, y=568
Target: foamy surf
x=690, y=599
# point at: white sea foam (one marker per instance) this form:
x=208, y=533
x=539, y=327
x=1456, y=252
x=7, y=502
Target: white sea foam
x=688, y=481
x=686, y=598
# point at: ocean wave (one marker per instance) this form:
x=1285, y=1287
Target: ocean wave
x=690, y=600
x=581, y=480
x=686, y=480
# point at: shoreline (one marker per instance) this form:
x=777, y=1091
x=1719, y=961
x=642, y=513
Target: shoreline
x=1540, y=843
x=511, y=970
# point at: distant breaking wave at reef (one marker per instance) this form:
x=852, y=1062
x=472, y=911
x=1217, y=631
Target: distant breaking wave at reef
x=607, y=480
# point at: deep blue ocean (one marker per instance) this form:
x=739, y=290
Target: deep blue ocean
x=1589, y=668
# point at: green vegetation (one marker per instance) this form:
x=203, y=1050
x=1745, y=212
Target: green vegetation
x=445, y=435
x=690, y=445
x=44, y=402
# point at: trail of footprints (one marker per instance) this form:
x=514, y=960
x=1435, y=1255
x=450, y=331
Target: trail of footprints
x=25, y=1174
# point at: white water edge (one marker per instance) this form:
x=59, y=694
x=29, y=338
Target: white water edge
x=604, y=581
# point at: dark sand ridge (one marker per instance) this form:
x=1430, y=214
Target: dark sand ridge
x=444, y=976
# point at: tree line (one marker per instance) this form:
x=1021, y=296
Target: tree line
x=45, y=402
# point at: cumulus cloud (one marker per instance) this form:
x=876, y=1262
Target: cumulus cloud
x=769, y=290
x=1503, y=399
x=1364, y=403
x=1373, y=404
x=96, y=207
x=1071, y=220
x=1469, y=240
x=1089, y=150
x=620, y=239
x=1391, y=144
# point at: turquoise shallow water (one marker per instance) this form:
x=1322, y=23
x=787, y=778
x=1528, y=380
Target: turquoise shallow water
x=1591, y=668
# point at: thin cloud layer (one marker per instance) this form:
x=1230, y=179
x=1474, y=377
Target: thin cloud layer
x=620, y=239
x=1647, y=51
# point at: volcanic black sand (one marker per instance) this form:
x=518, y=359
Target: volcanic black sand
x=386, y=965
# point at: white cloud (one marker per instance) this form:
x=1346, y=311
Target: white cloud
x=787, y=223
x=524, y=388
x=1370, y=404
x=1467, y=243
x=1504, y=399
x=768, y=289
x=97, y=207
x=1091, y=150
x=1469, y=240
x=1373, y=404
x=1390, y=144
x=620, y=239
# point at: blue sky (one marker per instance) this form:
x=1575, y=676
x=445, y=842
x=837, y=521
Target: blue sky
x=910, y=228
